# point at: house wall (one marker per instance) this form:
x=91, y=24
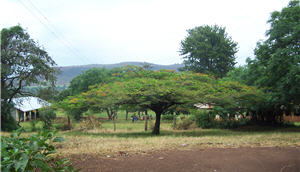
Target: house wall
x=20, y=115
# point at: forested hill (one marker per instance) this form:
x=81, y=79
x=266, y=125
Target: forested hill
x=69, y=72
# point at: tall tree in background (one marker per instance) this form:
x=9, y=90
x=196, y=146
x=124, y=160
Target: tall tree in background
x=276, y=67
x=208, y=49
x=23, y=63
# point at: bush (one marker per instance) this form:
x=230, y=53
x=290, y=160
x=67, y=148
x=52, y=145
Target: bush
x=67, y=125
x=230, y=124
x=90, y=122
x=47, y=115
x=151, y=124
x=33, y=125
x=184, y=122
x=168, y=117
x=31, y=154
x=205, y=119
x=8, y=123
x=76, y=113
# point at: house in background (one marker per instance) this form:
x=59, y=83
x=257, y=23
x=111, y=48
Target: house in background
x=26, y=108
x=204, y=106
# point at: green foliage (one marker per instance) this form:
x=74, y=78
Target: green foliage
x=208, y=49
x=8, y=123
x=168, y=117
x=47, y=115
x=33, y=125
x=23, y=63
x=238, y=74
x=47, y=93
x=32, y=153
x=205, y=119
x=74, y=106
x=276, y=68
x=162, y=92
x=88, y=78
x=184, y=122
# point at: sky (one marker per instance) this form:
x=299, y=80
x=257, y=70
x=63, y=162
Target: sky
x=77, y=32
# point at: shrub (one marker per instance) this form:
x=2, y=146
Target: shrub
x=168, y=117
x=67, y=125
x=90, y=122
x=204, y=119
x=76, y=113
x=151, y=124
x=33, y=125
x=184, y=122
x=32, y=153
x=8, y=123
x=47, y=115
x=230, y=124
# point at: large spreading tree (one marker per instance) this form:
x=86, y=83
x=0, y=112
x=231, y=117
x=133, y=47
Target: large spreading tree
x=161, y=91
x=208, y=49
x=23, y=63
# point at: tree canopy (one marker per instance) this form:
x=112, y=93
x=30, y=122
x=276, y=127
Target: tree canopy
x=208, y=49
x=276, y=66
x=161, y=91
x=23, y=63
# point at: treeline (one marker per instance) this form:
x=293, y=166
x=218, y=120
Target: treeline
x=276, y=66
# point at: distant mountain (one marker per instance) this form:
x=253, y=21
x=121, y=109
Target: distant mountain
x=69, y=72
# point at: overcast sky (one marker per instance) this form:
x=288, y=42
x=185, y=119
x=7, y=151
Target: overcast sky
x=78, y=32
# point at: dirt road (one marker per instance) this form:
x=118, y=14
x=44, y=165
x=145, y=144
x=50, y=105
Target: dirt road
x=270, y=159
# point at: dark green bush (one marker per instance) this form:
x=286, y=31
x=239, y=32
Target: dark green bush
x=233, y=123
x=168, y=117
x=205, y=119
x=33, y=125
x=31, y=153
x=8, y=123
x=47, y=115
x=184, y=122
x=77, y=113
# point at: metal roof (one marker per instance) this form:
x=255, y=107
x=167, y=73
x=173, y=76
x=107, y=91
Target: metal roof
x=29, y=103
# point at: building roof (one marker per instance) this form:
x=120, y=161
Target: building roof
x=29, y=103
x=203, y=106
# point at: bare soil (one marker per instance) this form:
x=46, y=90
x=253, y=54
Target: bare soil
x=243, y=159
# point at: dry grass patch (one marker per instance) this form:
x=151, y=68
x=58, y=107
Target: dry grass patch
x=106, y=142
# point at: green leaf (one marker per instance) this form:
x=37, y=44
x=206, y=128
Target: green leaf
x=22, y=162
x=58, y=139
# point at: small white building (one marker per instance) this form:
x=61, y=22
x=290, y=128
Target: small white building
x=204, y=106
x=26, y=108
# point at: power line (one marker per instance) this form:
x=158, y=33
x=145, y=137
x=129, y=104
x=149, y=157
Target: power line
x=53, y=30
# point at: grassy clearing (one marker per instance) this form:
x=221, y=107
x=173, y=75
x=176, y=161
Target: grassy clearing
x=132, y=139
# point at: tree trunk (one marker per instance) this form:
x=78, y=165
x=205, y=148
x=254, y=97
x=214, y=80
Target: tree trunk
x=139, y=114
x=146, y=120
x=174, y=121
x=69, y=123
x=115, y=127
x=157, y=123
x=126, y=115
x=109, y=114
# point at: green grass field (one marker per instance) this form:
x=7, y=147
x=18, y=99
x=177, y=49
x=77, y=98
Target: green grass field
x=131, y=137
